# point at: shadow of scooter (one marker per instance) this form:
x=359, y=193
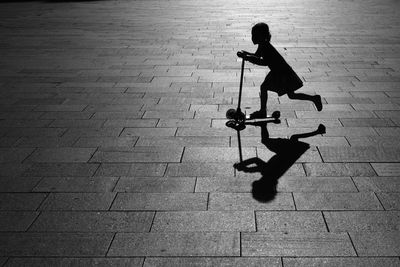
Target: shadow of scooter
x=288, y=151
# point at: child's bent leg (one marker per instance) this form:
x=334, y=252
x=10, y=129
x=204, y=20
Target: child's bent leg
x=316, y=99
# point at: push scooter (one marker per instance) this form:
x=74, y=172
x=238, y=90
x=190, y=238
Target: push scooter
x=236, y=118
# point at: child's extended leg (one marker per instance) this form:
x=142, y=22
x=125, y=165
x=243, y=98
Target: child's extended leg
x=316, y=99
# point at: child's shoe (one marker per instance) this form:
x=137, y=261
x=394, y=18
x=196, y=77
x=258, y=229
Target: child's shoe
x=318, y=102
x=258, y=115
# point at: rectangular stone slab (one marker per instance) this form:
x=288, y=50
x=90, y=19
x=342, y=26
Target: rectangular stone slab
x=176, y=244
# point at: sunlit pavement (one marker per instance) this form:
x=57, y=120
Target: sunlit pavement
x=114, y=149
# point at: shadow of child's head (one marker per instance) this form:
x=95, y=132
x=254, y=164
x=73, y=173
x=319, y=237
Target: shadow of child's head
x=264, y=190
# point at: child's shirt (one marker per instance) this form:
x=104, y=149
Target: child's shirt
x=271, y=56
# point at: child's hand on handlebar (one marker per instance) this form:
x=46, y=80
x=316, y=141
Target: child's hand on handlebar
x=243, y=54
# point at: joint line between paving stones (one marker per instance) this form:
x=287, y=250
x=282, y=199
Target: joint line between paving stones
x=355, y=185
x=319, y=152
x=33, y=222
x=109, y=246
x=33, y=151
x=112, y=202
x=348, y=234
x=91, y=156
x=195, y=184
x=379, y=200
x=183, y=152
x=255, y=221
x=372, y=167
x=152, y=221
x=41, y=203
x=326, y=224
x=208, y=200
x=97, y=169
x=240, y=244
x=294, y=202
x=116, y=183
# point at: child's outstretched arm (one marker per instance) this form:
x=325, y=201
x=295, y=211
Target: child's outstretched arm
x=252, y=58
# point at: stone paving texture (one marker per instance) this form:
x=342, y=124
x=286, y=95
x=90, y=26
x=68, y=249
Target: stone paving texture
x=114, y=149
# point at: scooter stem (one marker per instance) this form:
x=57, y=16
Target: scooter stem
x=241, y=84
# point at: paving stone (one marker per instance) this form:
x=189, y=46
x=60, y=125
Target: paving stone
x=131, y=169
x=351, y=131
x=25, y=123
x=61, y=169
x=334, y=114
x=131, y=123
x=20, y=201
x=378, y=141
x=212, y=261
x=141, y=154
x=377, y=184
x=176, y=244
x=109, y=115
x=197, y=123
x=76, y=184
x=200, y=169
x=11, y=221
x=386, y=169
x=54, y=244
x=336, y=201
x=312, y=122
x=339, y=169
x=18, y=184
x=78, y=201
x=362, y=221
x=78, y=123
x=296, y=244
x=360, y=154
x=211, y=154
x=106, y=142
x=39, y=141
x=315, y=184
x=33, y=132
x=93, y=222
x=390, y=201
x=245, y=201
x=61, y=155
x=224, y=184
x=197, y=141
x=13, y=169
x=369, y=122
x=388, y=131
x=203, y=221
x=290, y=221
x=168, y=114
x=160, y=201
x=36, y=262
x=159, y=132
x=341, y=262
x=155, y=184
x=376, y=243
x=93, y=132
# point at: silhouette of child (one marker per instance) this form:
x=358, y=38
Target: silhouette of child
x=281, y=78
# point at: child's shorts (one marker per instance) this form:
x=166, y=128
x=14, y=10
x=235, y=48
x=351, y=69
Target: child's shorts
x=282, y=81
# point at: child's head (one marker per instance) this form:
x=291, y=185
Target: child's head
x=260, y=33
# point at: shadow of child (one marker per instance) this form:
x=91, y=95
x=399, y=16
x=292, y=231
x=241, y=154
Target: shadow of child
x=288, y=151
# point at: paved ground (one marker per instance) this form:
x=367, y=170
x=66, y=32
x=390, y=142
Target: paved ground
x=114, y=149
